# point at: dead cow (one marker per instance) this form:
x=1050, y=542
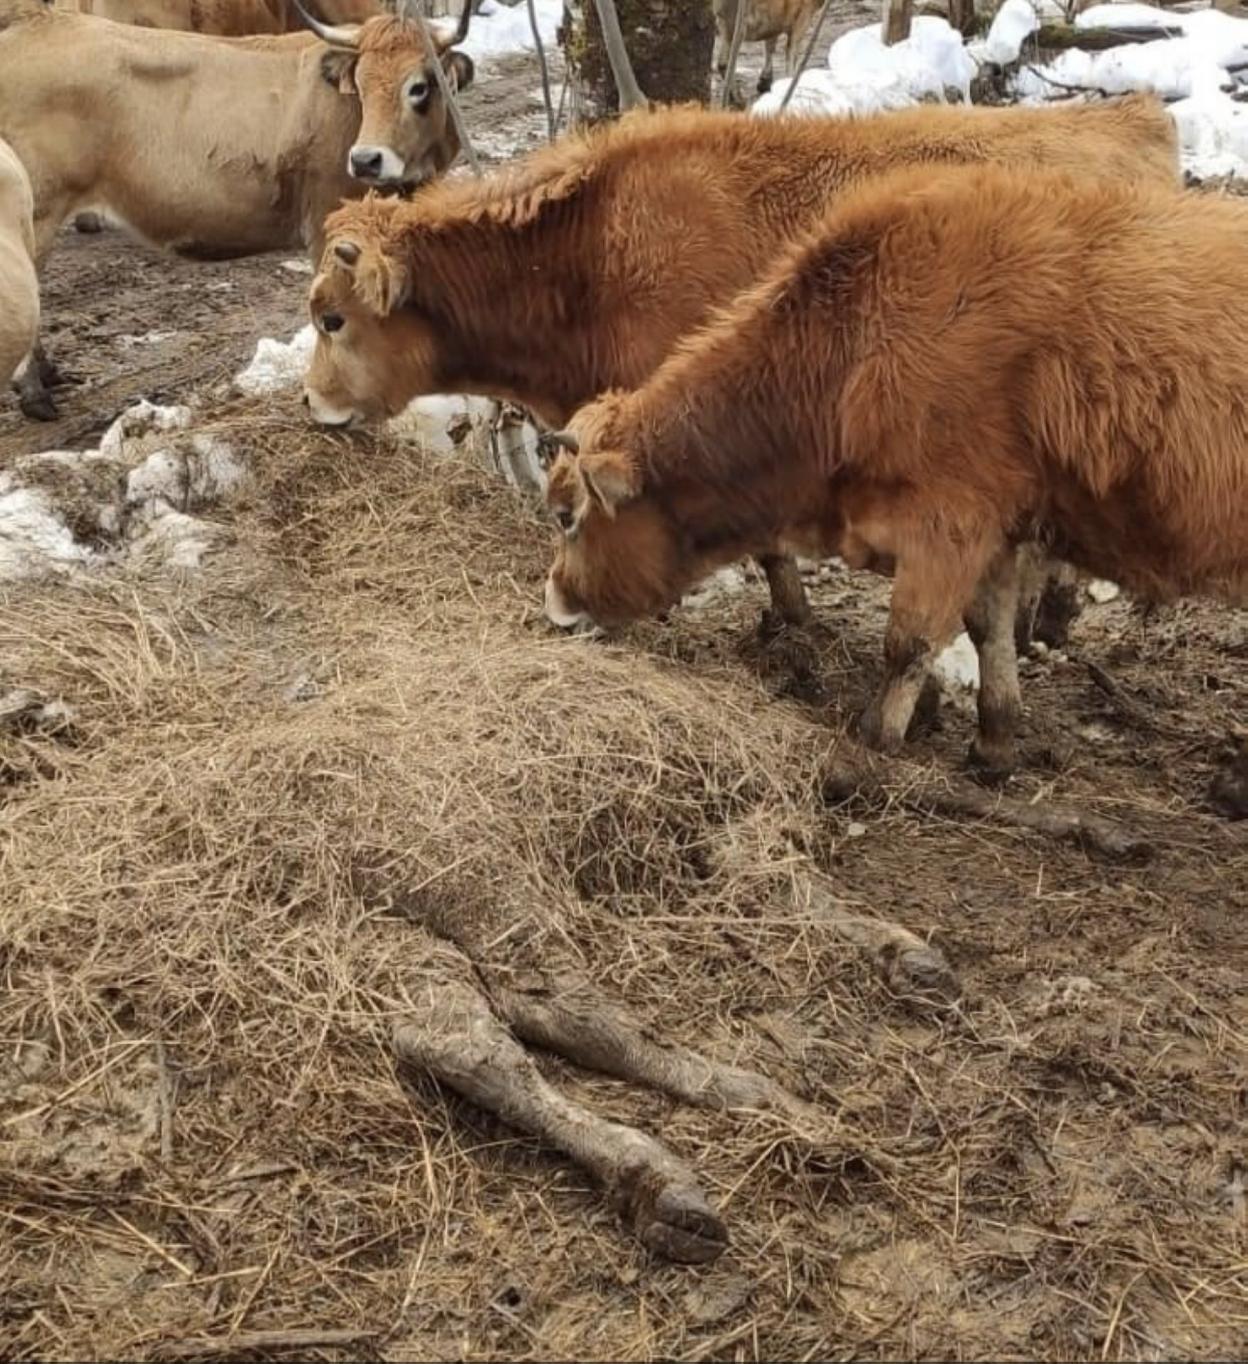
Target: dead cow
x=766, y=21
x=580, y=270
x=216, y=147
x=956, y=361
x=19, y=288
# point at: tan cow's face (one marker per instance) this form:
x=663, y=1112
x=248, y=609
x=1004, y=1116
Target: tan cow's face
x=407, y=135
x=619, y=557
x=372, y=355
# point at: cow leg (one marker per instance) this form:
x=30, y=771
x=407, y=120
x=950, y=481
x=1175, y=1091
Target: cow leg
x=31, y=386
x=788, y=595
x=768, y=72
x=457, y=1039
x=990, y=622
x=933, y=585
x=1058, y=607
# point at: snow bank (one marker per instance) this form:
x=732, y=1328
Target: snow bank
x=500, y=30
x=277, y=364
x=957, y=667
x=865, y=77
x=141, y=493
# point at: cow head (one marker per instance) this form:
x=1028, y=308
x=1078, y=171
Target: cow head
x=407, y=134
x=620, y=555
x=372, y=355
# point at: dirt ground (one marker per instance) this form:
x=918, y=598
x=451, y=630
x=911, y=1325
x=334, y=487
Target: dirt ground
x=344, y=765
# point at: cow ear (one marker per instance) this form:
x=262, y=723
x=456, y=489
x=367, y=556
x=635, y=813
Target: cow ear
x=459, y=68
x=610, y=479
x=379, y=281
x=338, y=70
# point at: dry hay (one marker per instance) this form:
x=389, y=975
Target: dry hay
x=346, y=760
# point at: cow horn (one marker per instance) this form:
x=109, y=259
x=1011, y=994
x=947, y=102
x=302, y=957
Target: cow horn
x=443, y=35
x=549, y=443
x=345, y=37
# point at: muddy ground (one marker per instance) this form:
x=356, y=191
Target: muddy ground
x=294, y=775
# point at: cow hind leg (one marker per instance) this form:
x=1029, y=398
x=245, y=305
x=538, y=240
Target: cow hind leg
x=990, y=622
x=932, y=587
x=788, y=595
x=31, y=386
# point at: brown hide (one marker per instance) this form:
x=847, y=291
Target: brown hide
x=953, y=361
x=226, y=18
x=581, y=268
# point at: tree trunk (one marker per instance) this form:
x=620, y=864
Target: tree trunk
x=897, y=20
x=670, y=43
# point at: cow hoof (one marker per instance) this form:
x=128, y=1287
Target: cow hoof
x=874, y=734
x=990, y=765
x=38, y=407
x=764, y=84
x=89, y=223
x=679, y=1225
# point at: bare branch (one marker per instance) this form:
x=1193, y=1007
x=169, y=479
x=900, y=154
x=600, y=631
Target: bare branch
x=631, y=95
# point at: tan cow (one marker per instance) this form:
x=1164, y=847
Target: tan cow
x=766, y=21
x=581, y=268
x=226, y=18
x=954, y=361
x=214, y=147
x=19, y=287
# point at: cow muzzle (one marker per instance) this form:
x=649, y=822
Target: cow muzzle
x=376, y=165
x=559, y=612
x=323, y=414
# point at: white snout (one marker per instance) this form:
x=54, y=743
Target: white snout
x=558, y=612
x=376, y=165
x=325, y=415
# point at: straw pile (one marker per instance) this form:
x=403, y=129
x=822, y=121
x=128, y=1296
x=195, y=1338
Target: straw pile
x=345, y=763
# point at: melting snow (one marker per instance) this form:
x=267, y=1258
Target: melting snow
x=277, y=364
x=499, y=30
x=958, y=669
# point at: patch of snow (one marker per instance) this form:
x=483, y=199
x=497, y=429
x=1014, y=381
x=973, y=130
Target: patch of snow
x=724, y=582
x=1101, y=591
x=277, y=364
x=146, y=339
x=957, y=667
x=441, y=421
x=34, y=540
x=140, y=420
x=297, y=267
x=865, y=77
x=500, y=30
x=178, y=539
x=1213, y=134
x=1014, y=22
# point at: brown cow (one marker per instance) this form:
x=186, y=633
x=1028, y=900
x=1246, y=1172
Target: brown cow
x=226, y=18
x=19, y=288
x=580, y=269
x=214, y=147
x=955, y=361
x=766, y=21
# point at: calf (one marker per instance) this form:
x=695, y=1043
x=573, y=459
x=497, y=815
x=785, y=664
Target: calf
x=19, y=288
x=216, y=147
x=954, y=362
x=579, y=270
x=766, y=21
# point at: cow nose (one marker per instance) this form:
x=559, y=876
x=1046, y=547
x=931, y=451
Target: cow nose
x=365, y=163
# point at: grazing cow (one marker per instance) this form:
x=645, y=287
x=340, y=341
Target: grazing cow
x=216, y=147
x=953, y=362
x=19, y=287
x=580, y=269
x=766, y=21
x=225, y=18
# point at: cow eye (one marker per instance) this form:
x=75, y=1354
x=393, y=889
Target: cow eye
x=418, y=92
x=332, y=322
x=566, y=519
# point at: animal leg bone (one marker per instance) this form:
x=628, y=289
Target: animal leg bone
x=571, y=1018
x=457, y=1039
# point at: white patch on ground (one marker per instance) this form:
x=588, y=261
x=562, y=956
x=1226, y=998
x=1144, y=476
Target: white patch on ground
x=277, y=365
x=34, y=540
x=146, y=339
x=297, y=267
x=724, y=582
x=1102, y=591
x=1014, y=22
x=138, y=495
x=957, y=667
x=500, y=30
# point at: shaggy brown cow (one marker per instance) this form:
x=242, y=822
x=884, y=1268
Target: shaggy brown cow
x=19, y=289
x=956, y=361
x=580, y=269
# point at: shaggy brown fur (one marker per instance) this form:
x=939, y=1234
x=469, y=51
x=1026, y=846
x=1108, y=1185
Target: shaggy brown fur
x=578, y=270
x=956, y=361
x=211, y=147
